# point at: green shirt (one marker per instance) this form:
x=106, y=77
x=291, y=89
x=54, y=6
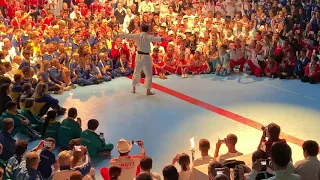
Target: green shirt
x=68, y=130
x=94, y=143
x=52, y=130
x=33, y=118
x=18, y=127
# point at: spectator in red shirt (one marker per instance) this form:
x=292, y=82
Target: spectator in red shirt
x=3, y=6
x=19, y=20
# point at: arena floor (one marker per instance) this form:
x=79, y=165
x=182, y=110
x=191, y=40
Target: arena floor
x=204, y=106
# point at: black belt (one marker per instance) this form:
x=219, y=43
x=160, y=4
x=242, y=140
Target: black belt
x=140, y=52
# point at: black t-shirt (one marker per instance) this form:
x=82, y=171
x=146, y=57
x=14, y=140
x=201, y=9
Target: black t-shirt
x=47, y=159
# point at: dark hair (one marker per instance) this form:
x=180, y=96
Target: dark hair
x=114, y=172
x=146, y=163
x=29, y=102
x=274, y=131
x=25, y=69
x=4, y=88
x=53, y=141
x=144, y=176
x=204, y=145
x=311, y=148
x=170, y=173
x=281, y=154
x=212, y=168
x=93, y=124
x=17, y=77
x=74, y=142
x=27, y=87
x=184, y=161
x=51, y=115
x=10, y=105
x=144, y=28
x=72, y=112
x=21, y=147
x=7, y=124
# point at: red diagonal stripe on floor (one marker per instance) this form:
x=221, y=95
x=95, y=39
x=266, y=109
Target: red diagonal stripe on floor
x=222, y=112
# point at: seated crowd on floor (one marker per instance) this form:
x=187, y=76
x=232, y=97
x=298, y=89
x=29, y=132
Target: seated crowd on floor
x=50, y=47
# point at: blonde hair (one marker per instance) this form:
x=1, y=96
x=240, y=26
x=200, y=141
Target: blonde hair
x=44, y=63
x=64, y=158
x=32, y=158
x=40, y=90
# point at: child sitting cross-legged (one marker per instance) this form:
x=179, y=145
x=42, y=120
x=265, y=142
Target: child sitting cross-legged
x=105, y=65
x=182, y=65
x=223, y=65
x=83, y=74
x=271, y=69
x=122, y=67
x=312, y=71
x=158, y=64
x=60, y=75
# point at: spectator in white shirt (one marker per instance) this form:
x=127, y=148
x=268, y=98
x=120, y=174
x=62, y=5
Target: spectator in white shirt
x=75, y=13
x=146, y=6
x=280, y=157
x=146, y=166
x=204, y=147
x=184, y=162
x=127, y=163
x=230, y=142
x=309, y=168
x=170, y=173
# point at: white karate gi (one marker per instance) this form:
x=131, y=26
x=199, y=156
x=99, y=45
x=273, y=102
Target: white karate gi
x=143, y=61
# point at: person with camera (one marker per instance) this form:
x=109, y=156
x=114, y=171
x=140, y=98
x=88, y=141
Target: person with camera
x=215, y=169
x=127, y=163
x=280, y=159
x=309, y=168
x=265, y=162
x=272, y=132
x=70, y=128
x=230, y=141
x=95, y=143
x=47, y=158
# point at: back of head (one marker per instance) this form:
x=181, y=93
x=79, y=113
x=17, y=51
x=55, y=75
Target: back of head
x=27, y=87
x=310, y=148
x=281, y=154
x=93, y=124
x=274, y=131
x=232, y=139
x=221, y=177
x=72, y=112
x=7, y=124
x=212, y=168
x=4, y=88
x=21, y=147
x=74, y=142
x=76, y=175
x=184, y=161
x=144, y=176
x=11, y=105
x=170, y=173
x=204, y=145
x=29, y=102
x=114, y=172
x=32, y=160
x=144, y=28
x=146, y=163
x=64, y=158
x=259, y=154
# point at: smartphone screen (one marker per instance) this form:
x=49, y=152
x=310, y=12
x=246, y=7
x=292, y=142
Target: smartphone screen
x=264, y=162
x=77, y=148
x=47, y=144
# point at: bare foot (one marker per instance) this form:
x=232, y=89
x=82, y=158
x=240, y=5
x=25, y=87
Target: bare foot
x=149, y=93
x=133, y=90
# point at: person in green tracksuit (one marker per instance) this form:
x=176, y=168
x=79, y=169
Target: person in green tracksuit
x=19, y=123
x=51, y=126
x=95, y=144
x=69, y=129
x=35, y=120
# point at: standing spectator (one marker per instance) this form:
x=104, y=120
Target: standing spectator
x=69, y=129
x=309, y=168
x=170, y=173
x=95, y=144
x=6, y=139
x=146, y=166
x=120, y=13
x=146, y=6
x=230, y=141
x=204, y=147
x=280, y=156
x=131, y=162
x=29, y=170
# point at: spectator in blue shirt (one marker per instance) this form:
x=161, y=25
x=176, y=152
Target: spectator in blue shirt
x=17, y=83
x=6, y=139
x=28, y=170
x=14, y=162
x=47, y=158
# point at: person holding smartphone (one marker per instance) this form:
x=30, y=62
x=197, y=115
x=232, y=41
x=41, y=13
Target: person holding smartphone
x=47, y=158
x=125, y=160
x=95, y=143
x=230, y=141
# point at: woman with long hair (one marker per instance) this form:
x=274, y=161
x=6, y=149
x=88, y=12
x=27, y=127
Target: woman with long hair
x=41, y=95
x=184, y=162
x=51, y=126
x=4, y=97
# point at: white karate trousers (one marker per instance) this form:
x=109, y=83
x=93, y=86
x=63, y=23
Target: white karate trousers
x=143, y=62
